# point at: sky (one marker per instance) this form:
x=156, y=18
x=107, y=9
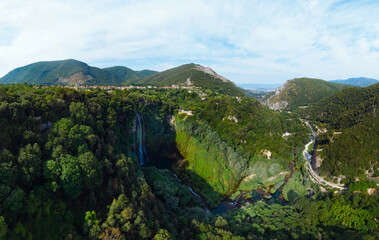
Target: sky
x=250, y=41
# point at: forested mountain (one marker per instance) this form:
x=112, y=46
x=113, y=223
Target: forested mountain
x=69, y=169
x=129, y=76
x=350, y=147
x=359, y=82
x=79, y=73
x=300, y=92
x=193, y=75
x=61, y=72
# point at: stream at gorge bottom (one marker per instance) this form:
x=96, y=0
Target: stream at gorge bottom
x=260, y=194
x=140, y=149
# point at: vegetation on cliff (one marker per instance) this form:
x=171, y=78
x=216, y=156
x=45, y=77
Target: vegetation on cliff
x=68, y=170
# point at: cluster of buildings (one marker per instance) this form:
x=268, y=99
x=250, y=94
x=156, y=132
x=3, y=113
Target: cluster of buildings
x=111, y=88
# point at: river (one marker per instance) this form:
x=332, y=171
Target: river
x=143, y=160
x=314, y=176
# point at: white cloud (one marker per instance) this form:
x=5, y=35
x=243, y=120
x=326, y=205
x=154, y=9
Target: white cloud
x=247, y=41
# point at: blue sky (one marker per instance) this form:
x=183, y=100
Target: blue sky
x=246, y=41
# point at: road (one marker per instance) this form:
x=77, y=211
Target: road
x=373, y=179
x=314, y=176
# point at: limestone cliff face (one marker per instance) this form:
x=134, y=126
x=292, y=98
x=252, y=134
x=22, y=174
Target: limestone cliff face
x=273, y=100
x=210, y=71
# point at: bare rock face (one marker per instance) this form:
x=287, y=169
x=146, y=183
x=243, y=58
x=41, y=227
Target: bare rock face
x=266, y=153
x=271, y=100
x=210, y=71
x=232, y=118
x=79, y=78
x=278, y=105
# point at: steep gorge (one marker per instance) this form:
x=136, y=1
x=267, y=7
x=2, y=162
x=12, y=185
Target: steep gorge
x=197, y=155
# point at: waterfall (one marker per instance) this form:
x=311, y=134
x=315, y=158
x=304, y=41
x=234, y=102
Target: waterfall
x=139, y=141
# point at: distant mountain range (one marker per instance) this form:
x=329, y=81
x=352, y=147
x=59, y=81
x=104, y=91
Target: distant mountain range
x=296, y=92
x=359, y=82
x=256, y=86
x=72, y=72
x=300, y=92
x=75, y=72
x=61, y=72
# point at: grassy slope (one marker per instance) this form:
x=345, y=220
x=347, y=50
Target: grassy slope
x=205, y=169
x=205, y=148
x=179, y=75
x=353, y=111
x=50, y=72
x=305, y=91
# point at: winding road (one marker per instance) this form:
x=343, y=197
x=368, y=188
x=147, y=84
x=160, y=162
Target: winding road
x=373, y=179
x=314, y=176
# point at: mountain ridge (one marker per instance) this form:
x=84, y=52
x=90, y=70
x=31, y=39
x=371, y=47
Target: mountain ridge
x=300, y=92
x=359, y=81
x=127, y=74
x=191, y=75
x=60, y=72
x=72, y=72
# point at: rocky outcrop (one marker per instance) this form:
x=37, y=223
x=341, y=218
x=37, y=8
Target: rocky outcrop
x=271, y=100
x=231, y=118
x=266, y=153
x=210, y=71
x=79, y=78
x=278, y=105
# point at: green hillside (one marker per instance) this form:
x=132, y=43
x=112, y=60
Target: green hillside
x=190, y=75
x=232, y=146
x=60, y=72
x=146, y=72
x=128, y=75
x=68, y=169
x=75, y=72
x=300, y=92
x=350, y=146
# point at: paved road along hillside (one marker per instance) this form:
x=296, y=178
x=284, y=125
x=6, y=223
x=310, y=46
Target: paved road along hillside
x=314, y=176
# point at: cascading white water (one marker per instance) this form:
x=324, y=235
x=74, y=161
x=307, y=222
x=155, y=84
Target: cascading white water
x=140, y=151
x=140, y=135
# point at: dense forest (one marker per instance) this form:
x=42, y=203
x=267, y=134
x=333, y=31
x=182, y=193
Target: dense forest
x=227, y=139
x=60, y=72
x=349, y=147
x=68, y=169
